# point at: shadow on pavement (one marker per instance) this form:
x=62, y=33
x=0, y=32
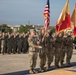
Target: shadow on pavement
x=26, y=72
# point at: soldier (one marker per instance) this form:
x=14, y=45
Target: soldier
x=50, y=49
x=58, y=49
x=14, y=44
x=42, y=53
x=69, y=50
x=33, y=51
x=9, y=47
x=5, y=47
x=63, y=49
x=19, y=44
x=0, y=41
x=3, y=44
x=25, y=44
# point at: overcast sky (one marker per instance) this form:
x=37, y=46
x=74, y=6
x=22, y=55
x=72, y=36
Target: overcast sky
x=30, y=11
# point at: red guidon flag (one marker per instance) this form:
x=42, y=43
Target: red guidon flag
x=64, y=21
x=47, y=15
x=73, y=19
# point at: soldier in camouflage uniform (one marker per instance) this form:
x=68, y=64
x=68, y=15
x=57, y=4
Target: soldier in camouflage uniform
x=42, y=53
x=63, y=49
x=25, y=44
x=58, y=49
x=9, y=47
x=0, y=41
x=19, y=44
x=14, y=44
x=69, y=50
x=50, y=49
x=5, y=47
x=33, y=51
x=2, y=44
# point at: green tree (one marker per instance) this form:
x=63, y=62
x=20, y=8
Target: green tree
x=24, y=28
x=5, y=28
x=8, y=29
x=53, y=30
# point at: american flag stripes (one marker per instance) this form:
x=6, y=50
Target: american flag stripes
x=47, y=15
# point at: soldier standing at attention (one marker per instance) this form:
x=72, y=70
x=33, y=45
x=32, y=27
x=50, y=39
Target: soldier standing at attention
x=69, y=50
x=50, y=50
x=19, y=44
x=33, y=51
x=0, y=41
x=63, y=50
x=58, y=49
x=3, y=44
x=14, y=44
x=42, y=53
x=9, y=48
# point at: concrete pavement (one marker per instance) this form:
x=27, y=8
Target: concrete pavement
x=18, y=64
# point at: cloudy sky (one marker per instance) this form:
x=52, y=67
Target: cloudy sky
x=30, y=11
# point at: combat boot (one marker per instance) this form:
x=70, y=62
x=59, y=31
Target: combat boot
x=42, y=70
x=69, y=65
x=48, y=68
x=62, y=65
x=31, y=71
x=35, y=71
x=57, y=66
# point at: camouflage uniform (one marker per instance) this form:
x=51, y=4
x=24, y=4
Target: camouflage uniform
x=58, y=50
x=0, y=43
x=4, y=42
x=63, y=50
x=69, y=50
x=42, y=52
x=25, y=44
x=50, y=50
x=33, y=52
x=14, y=46
x=9, y=47
x=19, y=44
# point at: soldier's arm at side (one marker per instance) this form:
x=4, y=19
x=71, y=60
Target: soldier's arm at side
x=31, y=44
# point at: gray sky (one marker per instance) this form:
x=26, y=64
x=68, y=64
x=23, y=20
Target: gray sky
x=23, y=11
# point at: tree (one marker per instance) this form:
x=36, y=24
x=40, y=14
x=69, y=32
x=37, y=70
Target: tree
x=5, y=28
x=53, y=30
x=24, y=28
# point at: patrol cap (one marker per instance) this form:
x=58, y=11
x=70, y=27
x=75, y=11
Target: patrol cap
x=32, y=30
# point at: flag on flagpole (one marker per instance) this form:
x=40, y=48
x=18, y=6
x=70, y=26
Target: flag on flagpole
x=64, y=21
x=73, y=19
x=47, y=15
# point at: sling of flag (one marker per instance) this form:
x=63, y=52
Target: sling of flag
x=47, y=15
x=73, y=19
x=64, y=21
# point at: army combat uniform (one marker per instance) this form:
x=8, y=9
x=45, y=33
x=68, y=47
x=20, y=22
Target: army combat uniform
x=58, y=50
x=50, y=51
x=42, y=52
x=33, y=52
x=69, y=50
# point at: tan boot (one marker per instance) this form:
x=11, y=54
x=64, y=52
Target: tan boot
x=42, y=70
x=35, y=71
x=31, y=71
x=48, y=68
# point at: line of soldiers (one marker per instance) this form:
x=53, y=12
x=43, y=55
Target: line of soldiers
x=49, y=46
x=13, y=43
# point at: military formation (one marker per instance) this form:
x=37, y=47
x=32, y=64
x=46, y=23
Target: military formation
x=49, y=47
x=13, y=43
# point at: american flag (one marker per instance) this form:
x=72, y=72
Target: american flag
x=47, y=15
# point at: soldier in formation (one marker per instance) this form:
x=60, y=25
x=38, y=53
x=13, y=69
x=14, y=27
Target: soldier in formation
x=48, y=46
x=13, y=43
x=33, y=50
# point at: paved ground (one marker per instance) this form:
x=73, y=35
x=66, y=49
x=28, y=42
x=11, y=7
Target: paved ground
x=18, y=64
